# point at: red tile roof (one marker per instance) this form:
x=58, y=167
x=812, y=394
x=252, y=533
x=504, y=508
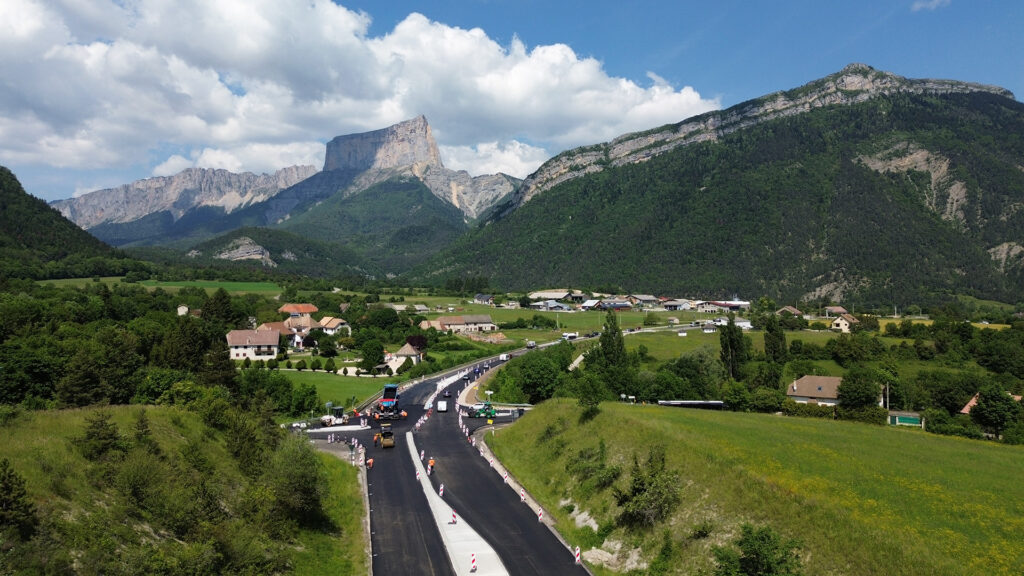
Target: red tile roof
x=297, y=308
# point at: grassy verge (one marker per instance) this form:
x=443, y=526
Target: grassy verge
x=338, y=389
x=862, y=499
x=340, y=552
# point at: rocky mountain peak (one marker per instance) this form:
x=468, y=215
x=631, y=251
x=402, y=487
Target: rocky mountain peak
x=403, y=144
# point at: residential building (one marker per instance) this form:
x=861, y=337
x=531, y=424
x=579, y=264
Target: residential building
x=835, y=311
x=789, y=310
x=461, y=324
x=485, y=299
x=844, y=323
x=815, y=390
x=674, y=305
x=974, y=401
x=293, y=309
x=551, y=306
x=591, y=305
x=643, y=300
x=253, y=344
x=331, y=325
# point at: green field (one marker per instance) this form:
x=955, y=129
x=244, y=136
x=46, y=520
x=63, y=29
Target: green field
x=862, y=499
x=338, y=389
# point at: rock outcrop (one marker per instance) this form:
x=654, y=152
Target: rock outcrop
x=854, y=83
x=403, y=144
x=244, y=248
x=191, y=188
x=408, y=149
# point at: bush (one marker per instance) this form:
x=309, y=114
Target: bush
x=867, y=414
x=762, y=552
x=17, y=513
x=793, y=408
x=653, y=492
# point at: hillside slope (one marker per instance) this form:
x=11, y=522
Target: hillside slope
x=37, y=242
x=897, y=198
x=862, y=499
x=171, y=500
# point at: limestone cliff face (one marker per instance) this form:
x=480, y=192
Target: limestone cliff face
x=400, y=145
x=409, y=149
x=854, y=83
x=178, y=194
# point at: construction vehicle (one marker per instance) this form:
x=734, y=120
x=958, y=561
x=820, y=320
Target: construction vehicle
x=387, y=406
x=387, y=437
x=485, y=410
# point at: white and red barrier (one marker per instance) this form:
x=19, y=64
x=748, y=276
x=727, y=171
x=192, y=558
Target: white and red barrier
x=540, y=515
x=522, y=495
x=472, y=562
x=417, y=475
x=455, y=520
x=578, y=555
x=440, y=491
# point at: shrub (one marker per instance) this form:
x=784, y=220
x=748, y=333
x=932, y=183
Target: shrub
x=101, y=436
x=17, y=513
x=762, y=552
x=652, y=494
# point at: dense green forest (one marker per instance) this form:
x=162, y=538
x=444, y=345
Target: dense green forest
x=780, y=208
x=37, y=242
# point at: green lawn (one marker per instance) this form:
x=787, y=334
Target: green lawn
x=862, y=499
x=338, y=389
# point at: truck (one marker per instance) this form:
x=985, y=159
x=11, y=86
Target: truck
x=387, y=437
x=503, y=357
x=570, y=335
x=387, y=406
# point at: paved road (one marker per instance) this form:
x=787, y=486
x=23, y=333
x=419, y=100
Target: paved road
x=404, y=536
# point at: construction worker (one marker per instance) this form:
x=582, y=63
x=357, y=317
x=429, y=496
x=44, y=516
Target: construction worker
x=376, y=438
x=369, y=463
x=430, y=465
x=376, y=416
x=404, y=414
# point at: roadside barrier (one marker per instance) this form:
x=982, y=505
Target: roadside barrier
x=417, y=475
x=454, y=519
x=522, y=495
x=472, y=562
x=440, y=491
x=506, y=478
x=540, y=515
x=578, y=555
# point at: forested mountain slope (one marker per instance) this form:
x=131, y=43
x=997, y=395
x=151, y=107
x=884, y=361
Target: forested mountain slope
x=37, y=242
x=897, y=198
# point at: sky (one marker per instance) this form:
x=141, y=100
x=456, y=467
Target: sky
x=98, y=93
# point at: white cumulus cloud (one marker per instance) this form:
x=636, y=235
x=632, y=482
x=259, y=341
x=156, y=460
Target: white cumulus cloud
x=256, y=85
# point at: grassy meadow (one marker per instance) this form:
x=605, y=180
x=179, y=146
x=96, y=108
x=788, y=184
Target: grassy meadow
x=862, y=499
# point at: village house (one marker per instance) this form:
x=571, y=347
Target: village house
x=643, y=300
x=421, y=308
x=844, y=323
x=331, y=325
x=485, y=299
x=974, y=401
x=461, y=324
x=674, y=305
x=616, y=304
x=551, y=306
x=789, y=310
x=591, y=305
x=293, y=309
x=253, y=344
x=810, y=389
x=834, y=311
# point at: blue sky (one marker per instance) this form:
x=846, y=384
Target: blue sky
x=109, y=92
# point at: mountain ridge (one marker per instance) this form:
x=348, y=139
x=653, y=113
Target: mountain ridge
x=854, y=83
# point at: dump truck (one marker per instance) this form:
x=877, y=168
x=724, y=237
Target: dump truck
x=387, y=437
x=387, y=406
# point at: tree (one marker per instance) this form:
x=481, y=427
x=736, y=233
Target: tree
x=101, y=436
x=735, y=347
x=373, y=354
x=762, y=552
x=218, y=308
x=774, y=340
x=859, y=388
x=995, y=410
x=612, y=349
x=218, y=369
x=653, y=492
x=17, y=513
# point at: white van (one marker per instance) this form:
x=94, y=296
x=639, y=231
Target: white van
x=442, y=406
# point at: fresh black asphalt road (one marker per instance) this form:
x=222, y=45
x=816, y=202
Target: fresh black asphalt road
x=404, y=537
